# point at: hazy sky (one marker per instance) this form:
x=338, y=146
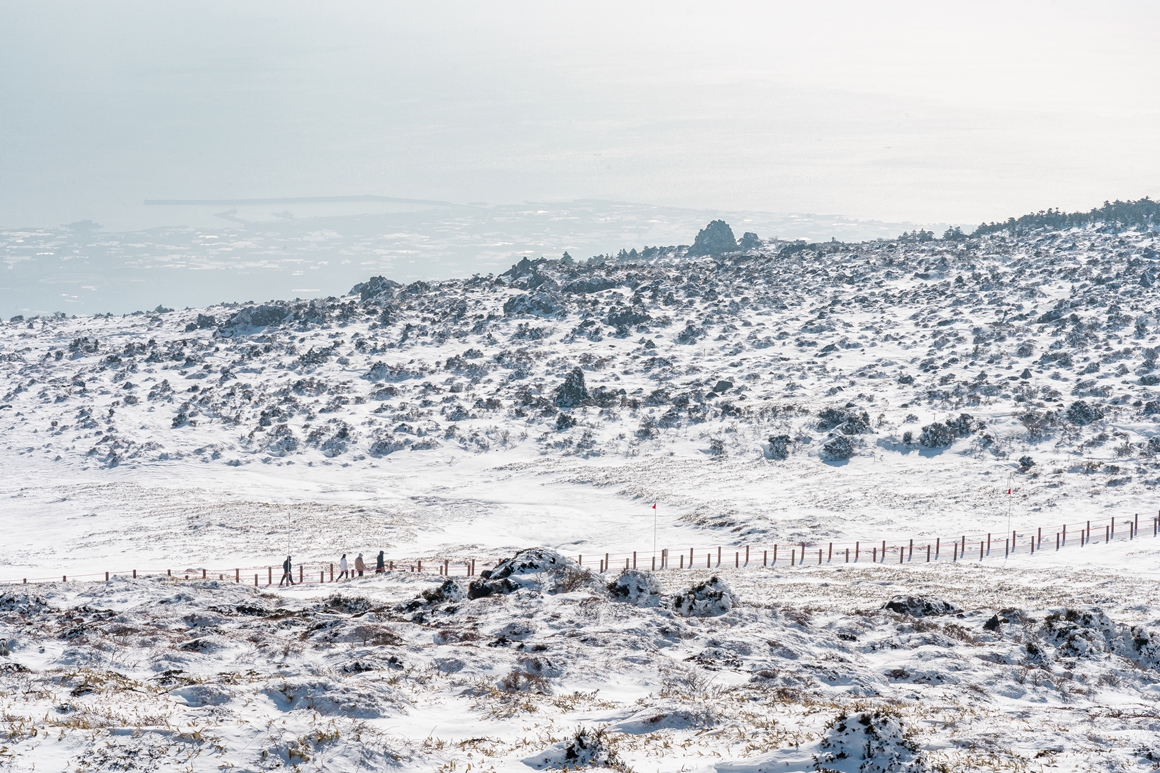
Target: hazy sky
x=923, y=112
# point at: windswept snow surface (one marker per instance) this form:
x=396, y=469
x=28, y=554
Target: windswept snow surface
x=779, y=394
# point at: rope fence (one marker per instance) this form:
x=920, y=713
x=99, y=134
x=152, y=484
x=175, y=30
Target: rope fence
x=958, y=548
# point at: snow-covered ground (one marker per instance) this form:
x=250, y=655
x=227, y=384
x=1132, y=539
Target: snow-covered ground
x=780, y=393
x=1032, y=667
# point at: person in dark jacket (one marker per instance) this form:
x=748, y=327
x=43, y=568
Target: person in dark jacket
x=380, y=563
x=287, y=573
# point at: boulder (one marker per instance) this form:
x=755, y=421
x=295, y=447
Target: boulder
x=572, y=393
x=252, y=319
x=525, y=562
x=532, y=304
x=714, y=239
x=917, y=606
x=374, y=287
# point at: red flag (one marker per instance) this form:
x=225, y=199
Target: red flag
x=655, y=505
x=1008, y=491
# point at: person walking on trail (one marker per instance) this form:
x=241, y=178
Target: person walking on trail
x=380, y=563
x=360, y=566
x=342, y=568
x=287, y=573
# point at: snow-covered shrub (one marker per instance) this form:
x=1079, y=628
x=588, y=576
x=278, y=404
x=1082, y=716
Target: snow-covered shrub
x=636, y=587
x=1081, y=413
x=587, y=749
x=838, y=449
x=849, y=422
x=707, y=599
x=869, y=742
x=936, y=435
x=778, y=447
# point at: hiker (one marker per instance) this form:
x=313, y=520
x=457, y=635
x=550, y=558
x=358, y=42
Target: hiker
x=287, y=573
x=342, y=567
x=380, y=564
x=360, y=565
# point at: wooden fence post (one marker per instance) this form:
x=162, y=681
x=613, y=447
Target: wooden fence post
x=765, y=558
x=634, y=559
x=792, y=556
x=937, y=546
x=928, y=552
x=874, y=556
x=269, y=575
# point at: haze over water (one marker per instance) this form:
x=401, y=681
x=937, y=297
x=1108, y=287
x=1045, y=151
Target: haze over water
x=900, y=113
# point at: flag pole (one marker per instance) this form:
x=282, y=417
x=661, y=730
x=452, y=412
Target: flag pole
x=654, y=529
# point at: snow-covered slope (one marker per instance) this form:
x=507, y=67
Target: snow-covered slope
x=782, y=392
x=776, y=393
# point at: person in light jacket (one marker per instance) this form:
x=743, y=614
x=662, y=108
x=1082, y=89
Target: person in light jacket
x=360, y=566
x=343, y=572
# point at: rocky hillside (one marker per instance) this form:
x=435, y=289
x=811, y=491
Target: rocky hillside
x=1042, y=345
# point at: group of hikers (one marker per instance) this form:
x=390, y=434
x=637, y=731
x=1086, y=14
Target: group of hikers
x=345, y=572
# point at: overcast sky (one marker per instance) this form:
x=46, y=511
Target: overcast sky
x=920, y=112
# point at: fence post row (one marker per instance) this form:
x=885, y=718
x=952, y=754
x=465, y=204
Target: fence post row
x=797, y=554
